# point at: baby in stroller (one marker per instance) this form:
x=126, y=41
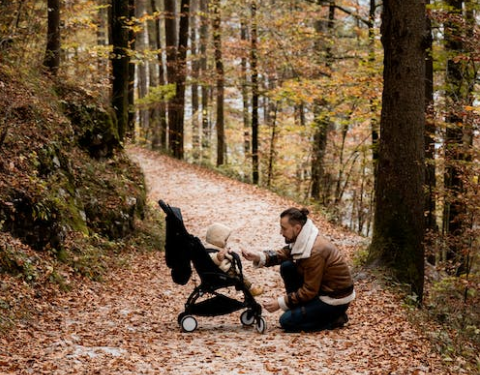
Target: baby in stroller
x=216, y=239
x=183, y=250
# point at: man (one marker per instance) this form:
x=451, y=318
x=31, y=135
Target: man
x=319, y=287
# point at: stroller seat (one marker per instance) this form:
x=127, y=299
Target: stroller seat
x=182, y=250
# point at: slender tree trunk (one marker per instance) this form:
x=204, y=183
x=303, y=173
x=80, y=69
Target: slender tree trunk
x=195, y=73
x=360, y=201
x=157, y=114
x=321, y=122
x=120, y=60
x=171, y=41
x=141, y=43
x=158, y=117
x=217, y=42
x=255, y=92
x=102, y=35
x=205, y=91
x=399, y=221
x=177, y=145
x=52, y=54
x=342, y=167
x=271, y=159
x=244, y=89
x=373, y=105
x=321, y=125
x=131, y=75
x=430, y=170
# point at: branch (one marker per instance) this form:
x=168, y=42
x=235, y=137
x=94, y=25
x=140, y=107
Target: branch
x=345, y=10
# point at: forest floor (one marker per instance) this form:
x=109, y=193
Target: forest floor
x=127, y=324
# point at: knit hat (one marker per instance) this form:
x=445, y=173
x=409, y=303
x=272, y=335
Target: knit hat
x=217, y=235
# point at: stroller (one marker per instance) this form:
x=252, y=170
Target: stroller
x=181, y=251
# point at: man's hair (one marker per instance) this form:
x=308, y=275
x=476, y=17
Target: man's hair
x=295, y=215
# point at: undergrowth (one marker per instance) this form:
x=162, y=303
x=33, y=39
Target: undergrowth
x=27, y=275
x=449, y=314
x=453, y=303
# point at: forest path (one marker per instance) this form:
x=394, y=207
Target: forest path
x=128, y=324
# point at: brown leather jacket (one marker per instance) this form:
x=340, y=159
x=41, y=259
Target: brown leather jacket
x=325, y=272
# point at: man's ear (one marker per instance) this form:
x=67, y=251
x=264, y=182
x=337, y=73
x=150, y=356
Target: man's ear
x=298, y=228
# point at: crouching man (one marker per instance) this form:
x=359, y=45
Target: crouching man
x=318, y=283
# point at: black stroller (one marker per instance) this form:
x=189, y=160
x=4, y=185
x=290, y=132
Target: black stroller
x=181, y=251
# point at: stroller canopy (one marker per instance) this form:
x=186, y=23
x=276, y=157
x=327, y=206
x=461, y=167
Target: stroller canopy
x=178, y=245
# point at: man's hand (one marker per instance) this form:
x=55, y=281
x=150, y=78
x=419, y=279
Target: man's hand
x=251, y=255
x=272, y=305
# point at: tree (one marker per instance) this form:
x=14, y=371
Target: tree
x=158, y=115
x=217, y=41
x=176, y=71
x=255, y=91
x=398, y=231
x=430, y=129
x=171, y=40
x=130, y=131
x=119, y=36
x=195, y=73
x=52, y=54
x=321, y=120
x=203, y=67
x=141, y=40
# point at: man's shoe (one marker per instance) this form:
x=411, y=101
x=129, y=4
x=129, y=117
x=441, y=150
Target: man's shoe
x=339, y=322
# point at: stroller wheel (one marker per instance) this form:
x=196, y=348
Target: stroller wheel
x=180, y=317
x=247, y=318
x=188, y=323
x=261, y=325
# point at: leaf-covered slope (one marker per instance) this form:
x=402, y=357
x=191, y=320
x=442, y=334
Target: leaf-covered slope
x=64, y=180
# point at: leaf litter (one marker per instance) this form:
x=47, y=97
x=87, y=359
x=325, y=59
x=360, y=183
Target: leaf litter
x=128, y=323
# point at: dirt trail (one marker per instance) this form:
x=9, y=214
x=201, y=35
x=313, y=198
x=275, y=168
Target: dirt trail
x=128, y=325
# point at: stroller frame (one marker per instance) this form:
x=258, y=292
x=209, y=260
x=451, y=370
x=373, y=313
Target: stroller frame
x=181, y=251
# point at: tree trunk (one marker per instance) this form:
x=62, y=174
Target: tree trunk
x=195, y=73
x=217, y=42
x=430, y=173
x=255, y=93
x=120, y=60
x=373, y=106
x=157, y=115
x=399, y=222
x=181, y=77
x=52, y=54
x=102, y=36
x=141, y=42
x=273, y=152
x=321, y=122
x=171, y=40
x=321, y=125
x=244, y=89
x=176, y=72
x=130, y=133
x=205, y=91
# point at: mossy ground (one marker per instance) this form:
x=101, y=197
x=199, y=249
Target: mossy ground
x=72, y=205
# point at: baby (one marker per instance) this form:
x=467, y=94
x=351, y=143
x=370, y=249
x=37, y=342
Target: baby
x=216, y=238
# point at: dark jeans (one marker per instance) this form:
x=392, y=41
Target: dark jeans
x=313, y=315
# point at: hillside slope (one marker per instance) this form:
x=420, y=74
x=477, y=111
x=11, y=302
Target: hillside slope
x=67, y=189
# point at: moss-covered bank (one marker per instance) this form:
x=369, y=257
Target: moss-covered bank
x=69, y=196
